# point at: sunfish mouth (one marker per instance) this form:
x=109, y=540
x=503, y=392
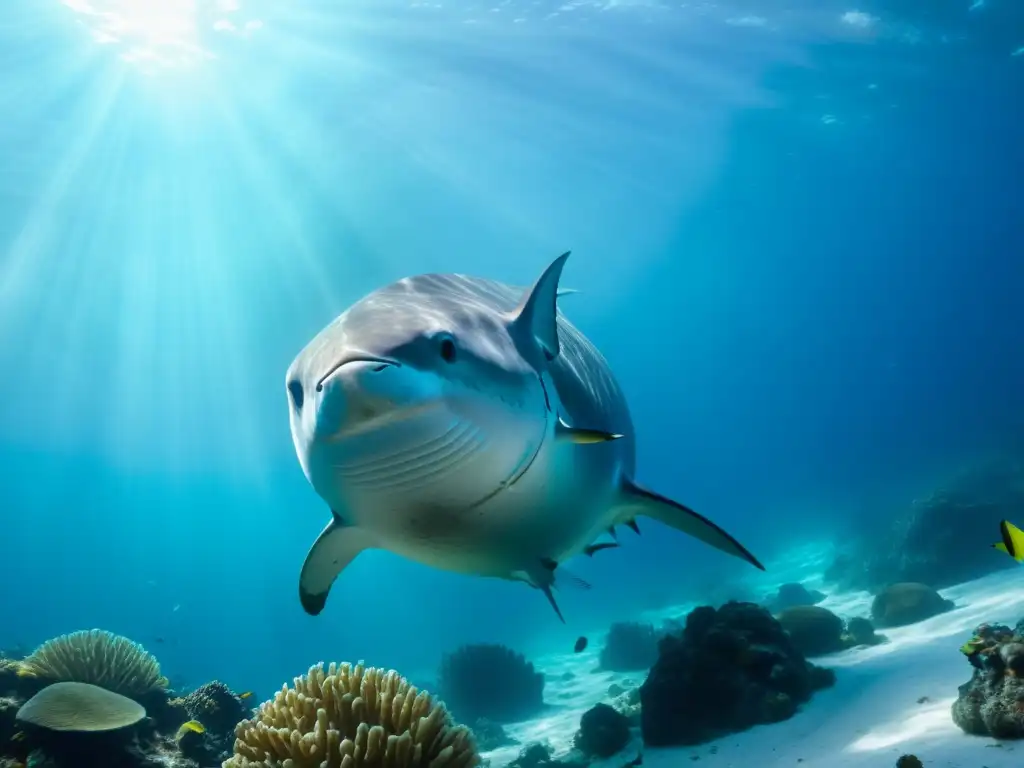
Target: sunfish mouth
x=383, y=362
x=383, y=419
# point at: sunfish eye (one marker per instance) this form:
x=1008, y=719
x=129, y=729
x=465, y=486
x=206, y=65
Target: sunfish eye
x=448, y=351
x=295, y=390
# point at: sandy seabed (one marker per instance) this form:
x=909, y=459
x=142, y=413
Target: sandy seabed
x=888, y=700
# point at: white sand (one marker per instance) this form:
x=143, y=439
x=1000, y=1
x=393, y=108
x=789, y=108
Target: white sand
x=867, y=720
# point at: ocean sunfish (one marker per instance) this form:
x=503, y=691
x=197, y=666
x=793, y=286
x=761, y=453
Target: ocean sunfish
x=467, y=425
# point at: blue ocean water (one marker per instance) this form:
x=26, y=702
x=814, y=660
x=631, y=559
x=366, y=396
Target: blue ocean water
x=796, y=232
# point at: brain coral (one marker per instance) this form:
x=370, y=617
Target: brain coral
x=349, y=717
x=97, y=657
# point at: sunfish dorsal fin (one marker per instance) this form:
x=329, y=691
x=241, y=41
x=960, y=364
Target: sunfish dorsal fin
x=534, y=321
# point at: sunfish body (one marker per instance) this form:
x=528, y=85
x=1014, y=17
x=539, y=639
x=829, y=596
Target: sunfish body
x=467, y=425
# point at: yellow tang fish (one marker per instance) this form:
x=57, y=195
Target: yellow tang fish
x=193, y=726
x=1013, y=541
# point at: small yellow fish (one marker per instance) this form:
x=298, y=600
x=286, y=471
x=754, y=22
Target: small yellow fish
x=972, y=646
x=245, y=695
x=24, y=671
x=1013, y=541
x=193, y=726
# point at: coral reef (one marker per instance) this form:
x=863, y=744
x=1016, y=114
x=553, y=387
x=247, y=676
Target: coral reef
x=860, y=631
x=603, y=732
x=942, y=539
x=908, y=603
x=82, y=700
x=991, y=703
x=730, y=669
x=794, y=596
x=490, y=681
x=629, y=646
x=98, y=657
x=345, y=716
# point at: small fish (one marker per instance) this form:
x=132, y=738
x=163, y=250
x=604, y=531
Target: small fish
x=581, y=645
x=1013, y=541
x=19, y=736
x=245, y=695
x=193, y=726
x=176, y=608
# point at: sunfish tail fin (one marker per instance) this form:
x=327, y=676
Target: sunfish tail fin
x=1013, y=540
x=337, y=545
x=636, y=500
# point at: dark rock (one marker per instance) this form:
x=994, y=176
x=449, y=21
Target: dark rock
x=730, y=669
x=991, y=703
x=909, y=761
x=794, y=596
x=492, y=682
x=814, y=630
x=539, y=756
x=908, y=603
x=860, y=631
x=490, y=735
x=603, y=732
x=629, y=646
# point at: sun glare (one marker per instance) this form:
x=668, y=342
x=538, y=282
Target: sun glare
x=162, y=33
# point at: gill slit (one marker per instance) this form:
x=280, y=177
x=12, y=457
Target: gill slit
x=525, y=466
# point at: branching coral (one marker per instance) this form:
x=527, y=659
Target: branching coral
x=97, y=657
x=352, y=717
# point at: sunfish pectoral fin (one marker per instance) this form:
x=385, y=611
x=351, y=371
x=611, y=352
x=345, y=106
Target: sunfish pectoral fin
x=335, y=547
x=582, y=436
x=635, y=500
x=535, y=321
